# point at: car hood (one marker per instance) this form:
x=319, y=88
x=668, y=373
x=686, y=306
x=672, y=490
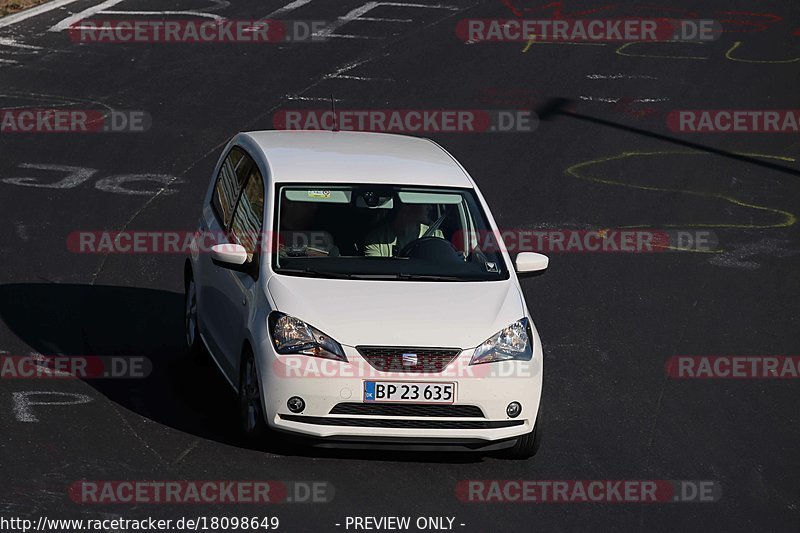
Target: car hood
x=400, y=313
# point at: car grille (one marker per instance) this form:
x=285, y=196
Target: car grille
x=390, y=358
x=399, y=423
x=400, y=409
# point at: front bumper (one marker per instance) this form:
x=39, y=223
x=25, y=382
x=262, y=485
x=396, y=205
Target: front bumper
x=324, y=384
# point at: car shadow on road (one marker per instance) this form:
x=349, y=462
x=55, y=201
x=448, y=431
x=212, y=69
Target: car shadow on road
x=180, y=392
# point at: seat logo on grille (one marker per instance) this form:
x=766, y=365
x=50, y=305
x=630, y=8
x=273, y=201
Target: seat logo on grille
x=409, y=359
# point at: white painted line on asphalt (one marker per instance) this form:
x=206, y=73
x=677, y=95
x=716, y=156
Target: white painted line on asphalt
x=359, y=78
x=614, y=100
x=349, y=17
x=620, y=76
x=291, y=6
x=9, y=61
x=23, y=402
x=312, y=98
x=341, y=36
x=86, y=13
x=158, y=13
x=430, y=6
x=339, y=74
x=376, y=19
x=5, y=41
x=358, y=13
x=32, y=12
x=350, y=65
x=605, y=99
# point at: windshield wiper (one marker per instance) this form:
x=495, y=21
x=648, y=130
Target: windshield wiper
x=376, y=276
x=315, y=273
x=428, y=277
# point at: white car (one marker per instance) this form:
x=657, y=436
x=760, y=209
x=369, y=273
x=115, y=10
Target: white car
x=351, y=288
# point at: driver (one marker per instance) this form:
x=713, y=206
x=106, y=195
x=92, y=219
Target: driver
x=407, y=225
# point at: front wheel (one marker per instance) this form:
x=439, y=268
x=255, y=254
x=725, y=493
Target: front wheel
x=527, y=445
x=194, y=344
x=251, y=412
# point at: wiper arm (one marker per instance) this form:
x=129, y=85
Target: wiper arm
x=314, y=272
x=428, y=277
x=376, y=276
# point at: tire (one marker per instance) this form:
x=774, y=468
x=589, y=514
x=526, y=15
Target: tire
x=527, y=445
x=191, y=321
x=251, y=412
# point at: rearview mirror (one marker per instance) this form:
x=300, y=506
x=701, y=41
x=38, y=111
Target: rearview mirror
x=530, y=262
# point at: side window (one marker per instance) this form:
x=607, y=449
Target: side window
x=247, y=220
x=229, y=182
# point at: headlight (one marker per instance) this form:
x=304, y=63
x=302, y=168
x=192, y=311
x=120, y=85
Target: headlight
x=511, y=343
x=293, y=336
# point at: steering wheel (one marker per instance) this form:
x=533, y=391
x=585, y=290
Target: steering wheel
x=410, y=247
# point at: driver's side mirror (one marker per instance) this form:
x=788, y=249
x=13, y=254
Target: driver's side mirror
x=232, y=256
x=530, y=262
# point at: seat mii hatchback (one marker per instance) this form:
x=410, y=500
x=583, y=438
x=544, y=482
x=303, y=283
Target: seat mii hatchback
x=352, y=289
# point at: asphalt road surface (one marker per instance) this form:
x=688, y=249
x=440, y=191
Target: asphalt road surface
x=609, y=321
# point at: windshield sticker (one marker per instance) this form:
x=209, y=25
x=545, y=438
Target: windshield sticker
x=319, y=193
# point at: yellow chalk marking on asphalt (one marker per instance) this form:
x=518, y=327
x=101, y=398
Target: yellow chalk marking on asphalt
x=619, y=51
x=529, y=43
x=788, y=219
x=737, y=44
x=533, y=40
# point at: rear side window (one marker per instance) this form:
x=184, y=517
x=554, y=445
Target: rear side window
x=229, y=183
x=247, y=221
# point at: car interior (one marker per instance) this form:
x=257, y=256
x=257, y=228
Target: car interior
x=348, y=224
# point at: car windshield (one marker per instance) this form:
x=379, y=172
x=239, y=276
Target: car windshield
x=379, y=232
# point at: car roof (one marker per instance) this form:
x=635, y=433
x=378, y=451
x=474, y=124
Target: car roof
x=356, y=157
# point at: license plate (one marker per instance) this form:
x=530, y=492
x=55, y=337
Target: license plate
x=407, y=391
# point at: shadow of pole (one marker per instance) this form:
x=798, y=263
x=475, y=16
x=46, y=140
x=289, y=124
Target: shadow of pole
x=559, y=106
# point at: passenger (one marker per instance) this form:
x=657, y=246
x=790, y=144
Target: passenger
x=407, y=225
x=297, y=237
